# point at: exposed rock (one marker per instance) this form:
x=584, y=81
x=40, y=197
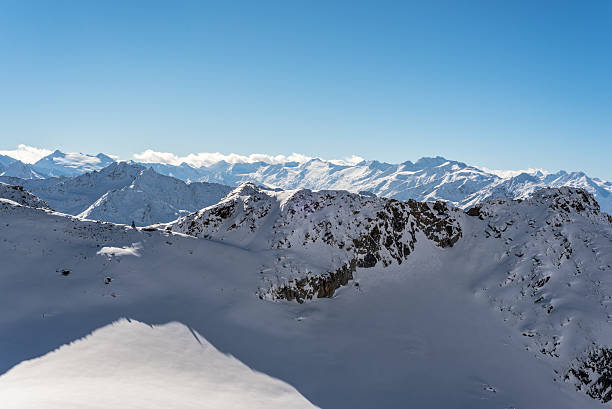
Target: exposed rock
x=593, y=374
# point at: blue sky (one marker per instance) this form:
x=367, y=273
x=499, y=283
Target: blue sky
x=497, y=84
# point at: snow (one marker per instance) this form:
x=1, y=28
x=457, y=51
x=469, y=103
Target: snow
x=128, y=364
x=70, y=164
x=133, y=250
x=153, y=198
x=9, y=201
x=442, y=329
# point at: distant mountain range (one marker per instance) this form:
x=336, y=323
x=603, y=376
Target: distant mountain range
x=123, y=192
x=55, y=164
x=427, y=179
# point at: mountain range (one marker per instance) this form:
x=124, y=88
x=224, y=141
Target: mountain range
x=301, y=298
x=55, y=164
x=123, y=193
x=100, y=188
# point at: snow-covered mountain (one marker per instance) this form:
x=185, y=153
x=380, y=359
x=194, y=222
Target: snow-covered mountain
x=428, y=179
x=5, y=161
x=75, y=195
x=418, y=304
x=21, y=170
x=59, y=163
x=124, y=192
x=154, y=198
x=544, y=263
x=56, y=164
x=353, y=230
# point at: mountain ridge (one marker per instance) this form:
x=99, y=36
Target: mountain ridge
x=427, y=179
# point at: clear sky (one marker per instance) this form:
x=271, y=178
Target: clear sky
x=500, y=84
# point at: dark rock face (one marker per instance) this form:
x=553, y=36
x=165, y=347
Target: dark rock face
x=391, y=237
x=395, y=227
x=593, y=374
x=474, y=211
x=579, y=200
x=321, y=286
x=368, y=261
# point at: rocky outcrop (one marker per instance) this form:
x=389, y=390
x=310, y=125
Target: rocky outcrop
x=358, y=231
x=593, y=374
x=19, y=195
x=319, y=286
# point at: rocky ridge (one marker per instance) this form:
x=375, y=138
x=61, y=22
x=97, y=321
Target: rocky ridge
x=21, y=196
x=551, y=254
x=356, y=231
x=556, y=251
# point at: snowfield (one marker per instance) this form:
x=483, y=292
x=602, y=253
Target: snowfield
x=128, y=364
x=302, y=298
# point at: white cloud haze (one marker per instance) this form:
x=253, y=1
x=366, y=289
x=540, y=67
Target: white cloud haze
x=209, y=158
x=27, y=154
x=512, y=173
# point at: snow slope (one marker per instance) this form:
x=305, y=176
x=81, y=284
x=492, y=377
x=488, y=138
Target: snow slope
x=128, y=364
x=457, y=323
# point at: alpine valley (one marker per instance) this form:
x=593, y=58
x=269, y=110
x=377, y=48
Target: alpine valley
x=304, y=284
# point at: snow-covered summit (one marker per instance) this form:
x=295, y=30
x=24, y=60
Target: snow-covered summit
x=59, y=163
x=153, y=198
